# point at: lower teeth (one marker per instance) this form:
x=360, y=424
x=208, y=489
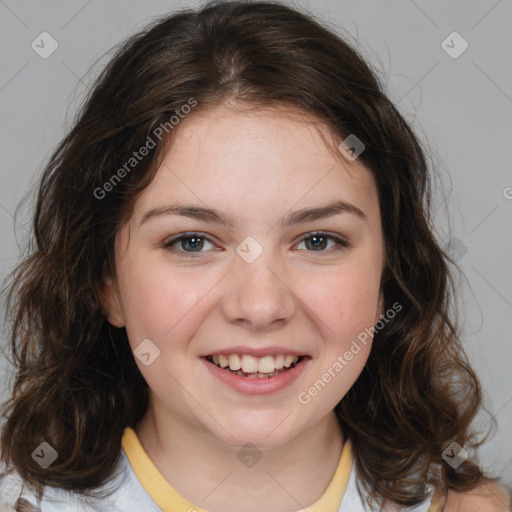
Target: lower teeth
x=258, y=375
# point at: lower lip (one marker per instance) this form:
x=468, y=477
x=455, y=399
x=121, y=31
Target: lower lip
x=257, y=386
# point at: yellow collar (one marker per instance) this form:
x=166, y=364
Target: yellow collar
x=168, y=499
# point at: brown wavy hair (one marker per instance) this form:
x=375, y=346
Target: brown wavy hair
x=417, y=392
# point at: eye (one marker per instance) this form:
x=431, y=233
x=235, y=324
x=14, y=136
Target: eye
x=319, y=240
x=191, y=244
x=194, y=241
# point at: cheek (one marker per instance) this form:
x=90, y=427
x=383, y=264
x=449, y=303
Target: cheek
x=346, y=303
x=346, y=300
x=157, y=300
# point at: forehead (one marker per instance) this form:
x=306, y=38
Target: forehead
x=253, y=134
x=271, y=157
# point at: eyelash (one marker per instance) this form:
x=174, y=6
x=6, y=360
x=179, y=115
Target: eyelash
x=169, y=243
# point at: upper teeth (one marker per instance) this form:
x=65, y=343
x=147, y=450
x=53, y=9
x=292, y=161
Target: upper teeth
x=251, y=364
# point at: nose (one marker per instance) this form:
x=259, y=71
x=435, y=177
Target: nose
x=258, y=296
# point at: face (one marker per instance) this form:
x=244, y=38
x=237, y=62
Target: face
x=252, y=284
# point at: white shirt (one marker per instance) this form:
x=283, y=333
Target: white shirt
x=130, y=496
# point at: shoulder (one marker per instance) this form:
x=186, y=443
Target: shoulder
x=121, y=493
x=12, y=490
x=488, y=497
x=16, y=495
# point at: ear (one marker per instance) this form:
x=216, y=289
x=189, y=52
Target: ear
x=109, y=296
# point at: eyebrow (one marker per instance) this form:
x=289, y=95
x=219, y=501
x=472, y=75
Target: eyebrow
x=211, y=215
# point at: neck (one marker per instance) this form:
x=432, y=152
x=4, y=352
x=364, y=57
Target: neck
x=207, y=472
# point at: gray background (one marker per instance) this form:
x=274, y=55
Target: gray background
x=461, y=107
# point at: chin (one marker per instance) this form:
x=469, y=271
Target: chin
x=252, y=428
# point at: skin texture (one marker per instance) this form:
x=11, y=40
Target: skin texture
x=488, y=497
x=257, y=166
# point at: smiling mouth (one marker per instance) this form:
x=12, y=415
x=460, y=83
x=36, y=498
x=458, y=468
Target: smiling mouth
x=253, y=367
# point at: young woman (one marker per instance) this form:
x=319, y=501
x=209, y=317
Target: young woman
x=235, y=301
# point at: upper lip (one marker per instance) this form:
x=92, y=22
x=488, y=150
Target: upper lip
x=257, y=352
